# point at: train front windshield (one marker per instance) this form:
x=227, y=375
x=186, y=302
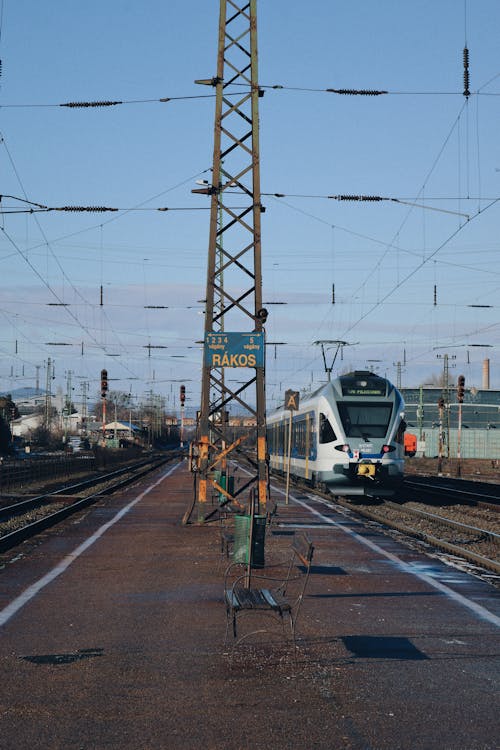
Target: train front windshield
x=365, y=420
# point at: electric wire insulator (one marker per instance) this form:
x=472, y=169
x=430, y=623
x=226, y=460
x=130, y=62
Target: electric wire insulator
x=357, y=92
x=466, y=73
x=80, y=209
x=90, y=104
x=0, y=68
x=369, y=198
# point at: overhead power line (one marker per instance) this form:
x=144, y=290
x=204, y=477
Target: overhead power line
x=116, y=102
x=40, y=208
x=101, y=103
x=372, y=199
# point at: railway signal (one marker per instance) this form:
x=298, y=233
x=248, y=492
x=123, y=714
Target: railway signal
x=104, y=383
x=460, y=398
x=182, y=397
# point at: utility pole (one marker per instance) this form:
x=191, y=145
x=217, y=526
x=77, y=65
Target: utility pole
x=460, y=399
x=398, y=375
x=67, y=405
x=234, y=316
x=182, y=398
x=420, y=413
x=445, y=396
x=84, y=386
x=104, y=392
x=48, y=387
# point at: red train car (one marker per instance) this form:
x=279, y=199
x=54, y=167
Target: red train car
x=410, y=444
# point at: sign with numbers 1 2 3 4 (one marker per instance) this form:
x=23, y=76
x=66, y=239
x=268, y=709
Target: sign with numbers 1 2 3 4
x=234, y=349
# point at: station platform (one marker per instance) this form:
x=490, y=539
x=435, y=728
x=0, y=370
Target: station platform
x=112, y=636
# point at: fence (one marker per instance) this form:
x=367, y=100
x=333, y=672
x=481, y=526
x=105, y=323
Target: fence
x=18, y=473
x=473, y=443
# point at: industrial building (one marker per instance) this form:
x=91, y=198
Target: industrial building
x=473, y=427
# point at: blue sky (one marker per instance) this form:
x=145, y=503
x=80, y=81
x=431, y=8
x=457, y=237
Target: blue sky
x=423, y=144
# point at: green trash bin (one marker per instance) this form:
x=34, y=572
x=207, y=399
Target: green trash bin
x=241, y=541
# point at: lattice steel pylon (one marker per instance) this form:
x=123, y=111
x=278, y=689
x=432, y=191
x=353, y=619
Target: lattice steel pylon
x=234, y=274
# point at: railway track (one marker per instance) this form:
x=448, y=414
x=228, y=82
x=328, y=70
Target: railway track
x=464, y=531
x=476, y=544
x=24, y=519
x=462, y=523
x=439, y=492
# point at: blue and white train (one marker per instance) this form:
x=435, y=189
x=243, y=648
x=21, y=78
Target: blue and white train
x=348, y=437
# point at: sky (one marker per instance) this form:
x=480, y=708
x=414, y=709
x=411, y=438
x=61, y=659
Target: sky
x=415, y=278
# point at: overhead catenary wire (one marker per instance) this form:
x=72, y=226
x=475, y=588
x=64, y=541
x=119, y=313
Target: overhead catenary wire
x=106, y=103
x=64, y=275
x=98, y=209
x=40, y=208
x=423, y=263
x=152, y=209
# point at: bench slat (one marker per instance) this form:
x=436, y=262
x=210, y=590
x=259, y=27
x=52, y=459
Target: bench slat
x=240, y=599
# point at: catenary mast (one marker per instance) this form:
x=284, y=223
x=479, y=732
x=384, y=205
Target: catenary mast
x=234, y=315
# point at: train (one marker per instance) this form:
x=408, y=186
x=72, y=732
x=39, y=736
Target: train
x=347, y=437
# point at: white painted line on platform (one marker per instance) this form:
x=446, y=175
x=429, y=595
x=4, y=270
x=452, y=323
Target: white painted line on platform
x=482, y=612
x=35, y=588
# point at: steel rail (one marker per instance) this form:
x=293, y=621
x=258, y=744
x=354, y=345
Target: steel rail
x=481, y=561
x=11, y=511
x=443, y=520
x=403, y=528
x=476, y=497
x=13, y=538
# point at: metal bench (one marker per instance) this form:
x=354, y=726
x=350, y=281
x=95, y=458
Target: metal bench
x=279, y=596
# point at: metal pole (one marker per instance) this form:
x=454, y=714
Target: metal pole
x=182, y=426
x=48, y=386
x=420, y=413
x=440, y=450
x=234, y=273
x=288, y=460
x=459, y=439
x=104, y=420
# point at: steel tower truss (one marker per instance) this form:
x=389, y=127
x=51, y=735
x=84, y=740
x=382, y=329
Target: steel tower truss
x=234, y=276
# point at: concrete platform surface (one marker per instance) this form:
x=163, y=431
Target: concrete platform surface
x=112, y=636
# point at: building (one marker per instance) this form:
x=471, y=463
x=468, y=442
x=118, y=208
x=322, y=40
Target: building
x=437, y=429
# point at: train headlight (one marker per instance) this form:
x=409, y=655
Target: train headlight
x=388, y=448
x=343, y=448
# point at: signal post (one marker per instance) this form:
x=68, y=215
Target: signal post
x=460, y=399
x=104, y=391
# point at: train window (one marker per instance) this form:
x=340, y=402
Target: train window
x=326, y=433
x=298, y=437
x=365, y=420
